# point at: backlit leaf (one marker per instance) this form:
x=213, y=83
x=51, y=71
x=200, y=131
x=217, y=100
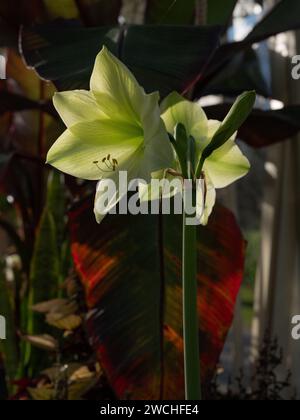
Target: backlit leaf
x=133, y=290
x=65, y=53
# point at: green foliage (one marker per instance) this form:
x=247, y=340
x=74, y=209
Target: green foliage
x=151, y=52
x=283, y=17
x=44, y=281
x=46, y=266
x=242, y=73
x=56, y=205
x=170, y=12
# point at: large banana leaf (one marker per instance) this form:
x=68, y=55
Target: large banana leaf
x=183, y=12
x=242, y=73
x=283, y=17
x=131, y=270
x=170, y=12
x=163, y=58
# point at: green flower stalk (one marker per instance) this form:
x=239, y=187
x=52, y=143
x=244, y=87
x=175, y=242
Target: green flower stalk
x=116, y=126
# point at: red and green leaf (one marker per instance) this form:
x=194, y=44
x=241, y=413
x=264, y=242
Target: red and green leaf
x=130, y=267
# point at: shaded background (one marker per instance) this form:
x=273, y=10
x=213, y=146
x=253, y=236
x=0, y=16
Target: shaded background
x=95, y=311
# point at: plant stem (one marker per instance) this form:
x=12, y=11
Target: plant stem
x=190, y=313
x=190, y=309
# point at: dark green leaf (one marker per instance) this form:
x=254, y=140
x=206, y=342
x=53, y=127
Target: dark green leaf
x=66, y=54
x=170, y=12
x=283, y=17
x=241, y=74
x=44, y=268
x=56, y=204
x=44, y=279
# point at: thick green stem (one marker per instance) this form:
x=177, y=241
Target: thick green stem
x=185, y=148
x=190, y=312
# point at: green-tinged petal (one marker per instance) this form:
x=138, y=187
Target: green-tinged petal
x=163, y=185
x=119, y=181
x=77, y=106
x=175, y=109
x=150, y=119
x=229, y=166
x=82, y=156
x=210, y=199
x=107, y=132
x=158, y=152
x=116, y=88
x=226, y=164
x=102, y=208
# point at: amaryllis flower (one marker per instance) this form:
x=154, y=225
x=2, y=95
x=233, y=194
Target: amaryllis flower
x=221, y=168
x=113, y=127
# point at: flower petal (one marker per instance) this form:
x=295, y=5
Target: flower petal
x=158, y=153
x=163, y=185
x=101, y=209
x=176, y=109
x=116, y=89
x=210, y=200
x=77, y=106
x=227, y=164
x=81, y=156
x=107, y=132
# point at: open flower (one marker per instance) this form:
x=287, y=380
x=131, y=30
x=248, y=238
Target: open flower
x=224, y=166
x=113, y=127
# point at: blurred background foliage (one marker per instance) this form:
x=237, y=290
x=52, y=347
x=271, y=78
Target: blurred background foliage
x=95, y=311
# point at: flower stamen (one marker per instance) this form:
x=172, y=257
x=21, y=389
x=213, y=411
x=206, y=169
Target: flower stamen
x=111, y=164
